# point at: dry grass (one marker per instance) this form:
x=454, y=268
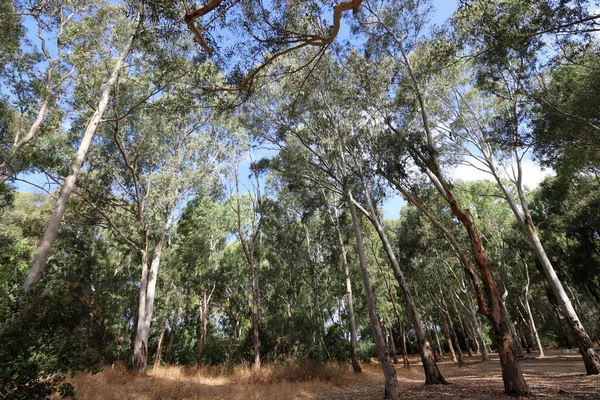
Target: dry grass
x=270, y=382
x=557, y=376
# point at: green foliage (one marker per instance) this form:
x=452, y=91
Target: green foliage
x=366, y=351
x=565, y=133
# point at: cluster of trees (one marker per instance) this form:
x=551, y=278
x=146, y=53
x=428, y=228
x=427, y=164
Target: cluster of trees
x=149, y=244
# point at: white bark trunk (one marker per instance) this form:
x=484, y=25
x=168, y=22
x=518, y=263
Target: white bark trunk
x=589, y=354
x=139, y=346
x=45, y=247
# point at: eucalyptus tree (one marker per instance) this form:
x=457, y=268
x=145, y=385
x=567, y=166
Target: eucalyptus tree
x=249, y=219
x=479, y=133
x=398, y=31
x=149, y=160
x=315, y=145
x=121, y=35
x=202, y=233
x=494, y=126
x=338, y=154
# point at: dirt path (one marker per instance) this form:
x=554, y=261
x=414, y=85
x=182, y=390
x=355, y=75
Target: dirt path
x=558, y=376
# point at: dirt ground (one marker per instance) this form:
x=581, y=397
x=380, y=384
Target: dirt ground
x=557, y=376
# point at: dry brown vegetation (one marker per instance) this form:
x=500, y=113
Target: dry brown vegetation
x=240, y=382
x=558, y=376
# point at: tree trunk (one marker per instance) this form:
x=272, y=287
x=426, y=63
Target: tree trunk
x=45, y=247
x=524, y=341
x=204, y=300
x=172, y=331
x=146, y=307
x=401, y=333
x=140, y=348
x=449, y=327
x=460, y=254
x=591, y=359
x=467, y=336
x=432, y=373
x=404, y=345
x=5, y=171
x=448, y=336
x=349, y=299
x=158, y=356
x=532, y=328
x=480, y=342
x=437, y=338
x=392, y=345
x=255, y=316
x=456, y=342
x=389, y=372
x=514, y=383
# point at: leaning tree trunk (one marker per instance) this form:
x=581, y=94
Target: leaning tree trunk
x=533, y=329
x=563, y=333
x=447, y=335
x=460, y=254
x=591, y=359
x=514, y=383
x=586, y=347
x=45, y=247
x=512, y=375
x=449, y=329
x=349, y=299
x=432, y=373
x=480, y=342
x=401, y=333
x=459, y=352
x=389, y=372
x=469, y=341
x=437, y=338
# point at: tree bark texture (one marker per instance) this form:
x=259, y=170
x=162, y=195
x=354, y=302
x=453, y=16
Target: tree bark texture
x=145, y=311
x=389, y=372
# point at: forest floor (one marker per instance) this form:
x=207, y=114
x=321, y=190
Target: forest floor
x=557, y=376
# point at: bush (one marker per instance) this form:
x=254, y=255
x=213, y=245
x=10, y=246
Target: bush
x=366, y=351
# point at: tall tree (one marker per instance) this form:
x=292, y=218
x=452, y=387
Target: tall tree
x=47, y=242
